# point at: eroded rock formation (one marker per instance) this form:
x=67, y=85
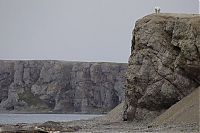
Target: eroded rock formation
x=58, y=86
x=164, y=65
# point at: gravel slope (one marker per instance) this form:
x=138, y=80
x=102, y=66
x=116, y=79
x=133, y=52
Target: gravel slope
x=183, y=112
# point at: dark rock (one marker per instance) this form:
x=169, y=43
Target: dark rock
x=71, y=129
x=51, y=126
x=58, y=86
x=164, y=65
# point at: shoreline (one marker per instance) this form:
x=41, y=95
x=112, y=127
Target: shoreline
x=78, y=113
x=97, y=125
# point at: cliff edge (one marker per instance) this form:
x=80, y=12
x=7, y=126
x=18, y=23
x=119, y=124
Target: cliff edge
x=164, y=65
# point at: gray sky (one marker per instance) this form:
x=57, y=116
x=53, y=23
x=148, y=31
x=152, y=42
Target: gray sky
x=78, y=30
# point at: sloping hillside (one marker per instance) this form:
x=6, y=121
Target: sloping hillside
x=186, y=111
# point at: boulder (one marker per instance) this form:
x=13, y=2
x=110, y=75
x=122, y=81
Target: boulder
x=164, y=65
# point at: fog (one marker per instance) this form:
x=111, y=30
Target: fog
x=76, y=30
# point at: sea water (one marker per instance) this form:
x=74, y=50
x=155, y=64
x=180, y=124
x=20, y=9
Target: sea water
x=39, y=118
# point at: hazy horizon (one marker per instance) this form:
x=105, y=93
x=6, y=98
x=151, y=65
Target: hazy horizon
x=76, y=30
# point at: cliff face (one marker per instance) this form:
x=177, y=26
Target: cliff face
x=45, y=86
x=164, y=65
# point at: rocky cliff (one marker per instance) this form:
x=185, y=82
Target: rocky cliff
x=164, y=65
x=58, y=86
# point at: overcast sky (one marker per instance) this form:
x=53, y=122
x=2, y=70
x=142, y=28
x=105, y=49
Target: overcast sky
x=76, y=30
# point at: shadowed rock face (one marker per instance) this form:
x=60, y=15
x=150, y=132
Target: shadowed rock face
x=43, y=86
x=164, y=65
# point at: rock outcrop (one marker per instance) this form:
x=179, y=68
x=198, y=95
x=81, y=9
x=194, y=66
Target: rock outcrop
x=164, y=65
x=58, y=86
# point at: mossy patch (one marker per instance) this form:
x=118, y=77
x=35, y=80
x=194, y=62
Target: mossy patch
x=30, y=98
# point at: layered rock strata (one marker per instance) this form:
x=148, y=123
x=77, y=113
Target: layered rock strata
x=59, y=86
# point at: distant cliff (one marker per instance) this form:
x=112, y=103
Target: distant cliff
x=164, y=65
x=59, y=86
